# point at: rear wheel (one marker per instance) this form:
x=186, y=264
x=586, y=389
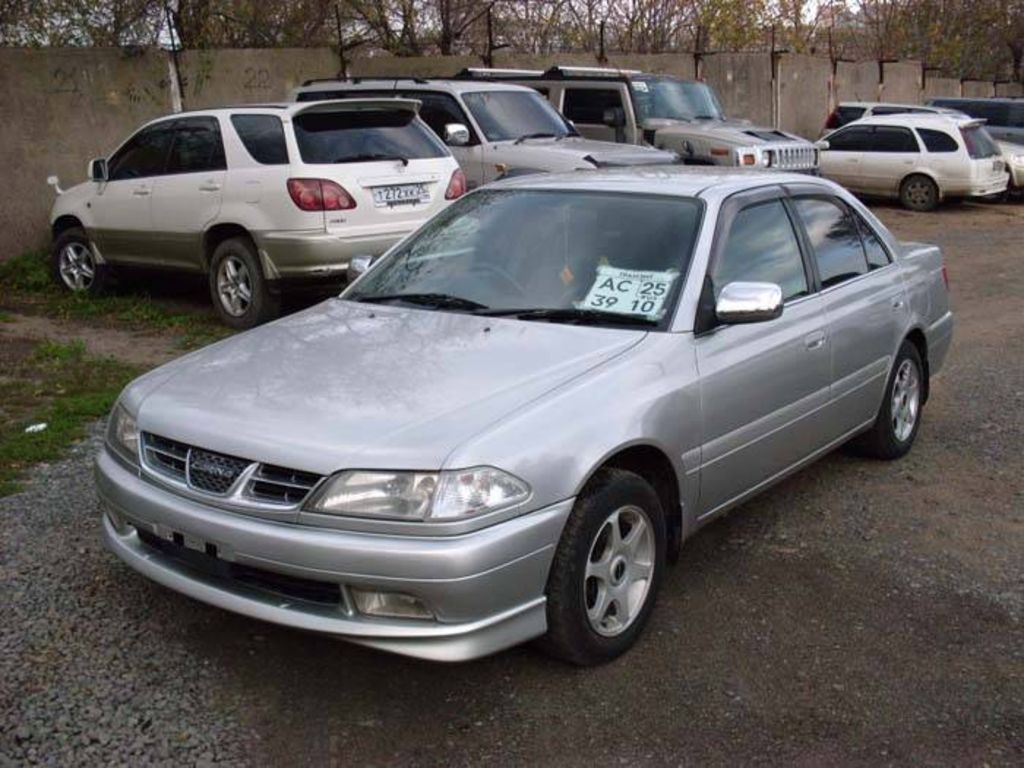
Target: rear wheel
x=74, y=263
x=919, y=193
x=899, y=416
x=237, y=286
x=606, y=570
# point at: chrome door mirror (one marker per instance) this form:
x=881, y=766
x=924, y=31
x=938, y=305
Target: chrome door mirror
x=98, y=169
x=748, y=303
x=357, y=265
x=456, y=135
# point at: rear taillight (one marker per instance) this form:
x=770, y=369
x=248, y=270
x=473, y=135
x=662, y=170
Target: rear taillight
x=833, y=120
x=456, y=187
x=319, y=195
x=945, y=276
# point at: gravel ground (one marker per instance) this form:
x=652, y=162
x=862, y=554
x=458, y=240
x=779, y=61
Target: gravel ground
x=860, y=613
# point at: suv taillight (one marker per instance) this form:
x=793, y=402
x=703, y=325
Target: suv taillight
x=319, y=195
x=833, y=120
x=456, y=187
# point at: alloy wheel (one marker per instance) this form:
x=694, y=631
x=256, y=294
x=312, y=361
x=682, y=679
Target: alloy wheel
x=620, y=568
x=234, y=286
x=906, y=400
x=77, y=266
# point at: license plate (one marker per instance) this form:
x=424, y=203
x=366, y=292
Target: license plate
x=400, y=194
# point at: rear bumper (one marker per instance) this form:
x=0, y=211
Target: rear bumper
x=301, y=255
x=939, y=336
x=987, y=187
x=485, y=589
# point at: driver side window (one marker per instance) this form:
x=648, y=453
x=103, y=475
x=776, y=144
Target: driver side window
x=144, y=155
x=762, y=247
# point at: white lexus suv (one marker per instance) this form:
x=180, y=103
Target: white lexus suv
x=260, y=198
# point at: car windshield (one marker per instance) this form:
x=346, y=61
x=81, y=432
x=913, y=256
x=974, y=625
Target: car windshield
x=348, y=136
x=669, y=98
x=605, y=258
x=505, y=115
x=979, y=142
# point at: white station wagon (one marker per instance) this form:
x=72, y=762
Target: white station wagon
x=919, y=159
x=261, y=198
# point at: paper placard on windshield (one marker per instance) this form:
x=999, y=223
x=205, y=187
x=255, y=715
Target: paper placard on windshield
x=630, y=291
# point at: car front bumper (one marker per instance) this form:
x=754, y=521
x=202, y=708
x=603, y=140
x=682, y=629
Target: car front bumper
x=300, y=255
x=485, y=589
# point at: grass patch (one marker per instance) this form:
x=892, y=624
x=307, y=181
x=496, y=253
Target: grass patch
x=53, y=383
x=25, y=282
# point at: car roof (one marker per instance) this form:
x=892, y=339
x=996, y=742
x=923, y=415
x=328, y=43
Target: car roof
x=410, y=84
x=291, y=108
x=673, y=180
x=873, y=104
x=923, y=119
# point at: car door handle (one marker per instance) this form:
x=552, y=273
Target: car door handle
x=140, y=191
x=209, y=186
x=815, y=340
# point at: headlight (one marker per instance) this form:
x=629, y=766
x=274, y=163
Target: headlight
x=448, y=495
x=1017, y=159
x=123, y=434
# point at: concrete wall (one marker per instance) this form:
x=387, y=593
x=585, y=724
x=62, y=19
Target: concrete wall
x=1009, y=90
x=236, y=76
x=743, y=82
x=901, y=82
x=60, y=108
x=937, y=87
x=803, y=100
x=977, y=89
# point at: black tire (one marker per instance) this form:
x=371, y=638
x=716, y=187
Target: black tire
x=74, y=266
x=919, y=193
x=238, y=288
x=883, y=440
x=571, y=635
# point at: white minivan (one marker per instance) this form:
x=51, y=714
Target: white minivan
x=260, y=198
x=919, y=159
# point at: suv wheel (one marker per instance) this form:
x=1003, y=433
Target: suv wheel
x=237, y=286
x=606, y=570
x=74, y=263
x=919, y=193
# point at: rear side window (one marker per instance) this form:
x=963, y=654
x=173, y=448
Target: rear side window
x=854, y=139
x=352, y=136
x=263, y=138
x=834, y=238
x=937, y=141
x=878, y=256
x=886, y=138
x=587, y=105
x=197, y=146
x=762, y=247
x=144, y=154
x=849, y=114
x=979, y=143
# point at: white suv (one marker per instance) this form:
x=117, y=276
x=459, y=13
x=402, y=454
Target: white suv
x=260, y=198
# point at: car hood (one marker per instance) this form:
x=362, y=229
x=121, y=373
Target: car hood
x=738, y=132
x=347, y=385
x=601, y=153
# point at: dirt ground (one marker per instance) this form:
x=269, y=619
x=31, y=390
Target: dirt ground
x=860, y=613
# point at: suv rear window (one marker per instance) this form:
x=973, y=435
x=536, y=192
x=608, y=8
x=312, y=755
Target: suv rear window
x=263, y=137
x=351, y=136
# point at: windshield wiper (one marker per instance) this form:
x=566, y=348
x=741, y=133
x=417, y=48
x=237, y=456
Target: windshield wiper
x=542, y=135
x=370, y=158
x=439, y=300
x=572, y=315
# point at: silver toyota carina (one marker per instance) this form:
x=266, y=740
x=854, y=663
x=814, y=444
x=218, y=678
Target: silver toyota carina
x=505, y=429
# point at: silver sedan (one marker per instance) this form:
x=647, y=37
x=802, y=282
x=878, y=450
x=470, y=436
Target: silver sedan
x=508, y=425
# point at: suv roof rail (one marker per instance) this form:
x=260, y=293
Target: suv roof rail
x=361, y=79
x=571, y=71
x=472, y=73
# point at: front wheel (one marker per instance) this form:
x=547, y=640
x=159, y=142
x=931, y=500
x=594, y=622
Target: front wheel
x=606, y=570
x=899, y=416
x=237, y=285
x=74, y=263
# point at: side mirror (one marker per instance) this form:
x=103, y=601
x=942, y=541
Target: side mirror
x=98, y=169
x=748, y=303
x=614, y=117
x=357, y=265
x=821, y=145
x=456, y=135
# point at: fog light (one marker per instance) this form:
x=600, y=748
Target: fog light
x=393, y=605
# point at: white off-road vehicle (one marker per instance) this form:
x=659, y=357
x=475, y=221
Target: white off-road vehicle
x=261, y=198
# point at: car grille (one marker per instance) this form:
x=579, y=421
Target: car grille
x=793, y=157
x=217, y=473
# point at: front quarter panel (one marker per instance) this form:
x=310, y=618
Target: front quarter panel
x=646, y=396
